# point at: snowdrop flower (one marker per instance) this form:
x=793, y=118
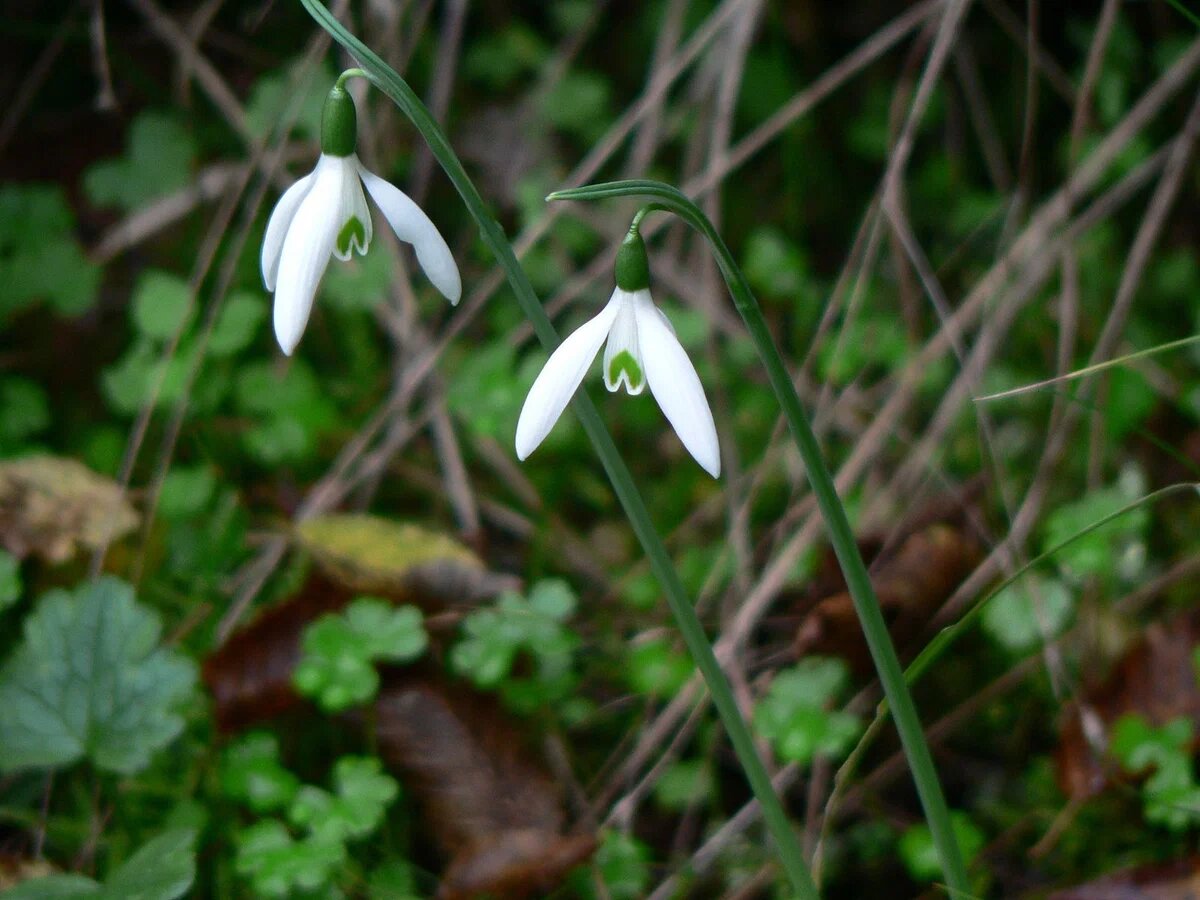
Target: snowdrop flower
x=325, y=214
x=642, y=350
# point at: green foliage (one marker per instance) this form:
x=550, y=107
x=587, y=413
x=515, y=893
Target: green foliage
x=775, y=266
x=920, y=856
x=578, y=103
x=1171, y=795
x=685, y=784
x=504, y=55
x=10, y=580
x=533, y=626
x=1027, y=613
x=275, y=860
x=278, y=864
x=237, y=324
x=623, y=863
x=161, y=305
x=24, y=412
x=90, y=680
x=1098, y=552
x=252, y=773
x=296, y=91
x=163, y=869
x=290, y=407
x=657, y=669
x=337, y=668
x=159, y=153
x=186, y=491
x=795, y=716
x=488, y=391
x=40, y=258
x=363, y=794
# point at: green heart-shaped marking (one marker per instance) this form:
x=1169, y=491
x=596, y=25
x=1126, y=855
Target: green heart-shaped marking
x=352, y=233
x=624, y=362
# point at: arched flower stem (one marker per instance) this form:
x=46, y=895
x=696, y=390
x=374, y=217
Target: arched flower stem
x=912, y=736
x=387, y=80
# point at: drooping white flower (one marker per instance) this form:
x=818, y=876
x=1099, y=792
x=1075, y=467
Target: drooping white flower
x=642, y=350
x=325, y=214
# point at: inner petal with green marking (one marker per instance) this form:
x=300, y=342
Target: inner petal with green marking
x=623, y=364
x=353, y=236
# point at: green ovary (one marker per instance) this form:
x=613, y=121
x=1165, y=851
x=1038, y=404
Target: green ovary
x=352, y=233
x=624, y=362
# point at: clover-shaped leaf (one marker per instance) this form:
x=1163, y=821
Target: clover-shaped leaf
x=920, y=854
x=251, y=772
x=158, y=159
x=1170, y=795
x=90, y=680
x=337, y=668
x=277, y=864
x=363, y=793
x=1026, y=613
x=794, y=714
x=516, y=624
x=655, y=668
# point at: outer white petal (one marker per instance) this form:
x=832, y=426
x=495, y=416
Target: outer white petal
x=676, y=386
x=306, y=251
x=352, y=204
x=277, y=227
x=623, y=337
x=560, y=378
x=414, y=227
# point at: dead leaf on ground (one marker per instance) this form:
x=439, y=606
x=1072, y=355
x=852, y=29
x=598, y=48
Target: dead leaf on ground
x=1170, y=881
x=1156, y=678
x=53, y=506
x=399, y=560
x=494, y=812
x=250, y=675
x=911, y=583
x=15, y=869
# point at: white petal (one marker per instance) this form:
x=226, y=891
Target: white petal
x=676, y=386
x=560, y=378
x=306, y=252
x=277, y=227
x=623, y=338
x=414, y=227
x=351, y=205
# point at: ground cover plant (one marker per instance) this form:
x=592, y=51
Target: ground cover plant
x=328, y=569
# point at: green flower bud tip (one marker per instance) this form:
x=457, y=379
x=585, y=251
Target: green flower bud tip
x=339, y=123
x=633, y=267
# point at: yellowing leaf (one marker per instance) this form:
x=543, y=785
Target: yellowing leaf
x=373, y=555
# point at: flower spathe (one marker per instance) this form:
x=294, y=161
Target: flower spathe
x=325, y=214
x=642, y=350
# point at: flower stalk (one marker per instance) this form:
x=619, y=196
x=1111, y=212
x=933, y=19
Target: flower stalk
x=387, y=80
x=887, y=664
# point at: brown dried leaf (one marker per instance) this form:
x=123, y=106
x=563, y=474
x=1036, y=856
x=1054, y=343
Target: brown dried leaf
x=372, y=555
x=53, y=506
x=1156, y=679
x=1171, y=881
x=911, y=584
x=250, y=676
x=489, y=806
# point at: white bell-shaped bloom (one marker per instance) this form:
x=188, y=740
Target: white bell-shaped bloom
x=325, y=214
x=642, y=350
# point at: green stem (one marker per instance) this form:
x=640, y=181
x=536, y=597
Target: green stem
x=384, y=78
x=841, y=536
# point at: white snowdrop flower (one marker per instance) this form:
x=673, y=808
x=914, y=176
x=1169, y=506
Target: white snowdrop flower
x=325, y=214
x=642, y=350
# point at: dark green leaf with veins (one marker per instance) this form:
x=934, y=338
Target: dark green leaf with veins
x=90, y=680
